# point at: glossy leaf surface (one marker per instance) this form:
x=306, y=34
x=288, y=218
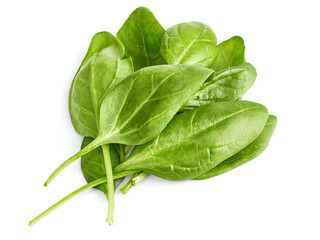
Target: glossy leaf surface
x=196, y=141
x=231, y=53
x=191, y=43
x=250, y=152
x=100, y=41
x=99, y=73
x=141, y=35
x=140, y=107
x=227, y=85
x=93, y=166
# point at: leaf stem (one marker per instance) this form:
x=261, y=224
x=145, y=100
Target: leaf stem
x=76, y=192
x=121, y=152
x=128, y=185
x=94, y=144
x=139, y=178
x=66, y=198
x=109, y=173
x=136, y=178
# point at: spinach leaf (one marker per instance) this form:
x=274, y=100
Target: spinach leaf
x=99, y=73
x=226, y=85
x=197, y=141
x=190, y=43
x=98, y=42
x=141, y=35
x=231, y=53
x=93, y=165
x=250, y=152
x=144, y=103
x=141, y=105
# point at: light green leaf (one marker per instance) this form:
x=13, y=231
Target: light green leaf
x=100, y=72
x=247, y=154
x=141, y=105
x=229, y=84
x=141, y=35
x=191, y=43
x=231, y=53
x=144, y=103
x=197, y=141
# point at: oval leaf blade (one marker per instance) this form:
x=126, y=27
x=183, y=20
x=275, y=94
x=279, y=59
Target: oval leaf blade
x=141, y=35
x=247, y=154
x=191, y=43
x=196, y=141
x=140, y=107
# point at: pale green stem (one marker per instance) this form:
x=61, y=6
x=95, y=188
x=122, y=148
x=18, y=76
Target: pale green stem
x=76, y=192
x=109, y=173
x=136, y=178
x=121, y=152
x=66, y=198
x=139, y=178
x=128, y=185
x=94, y=144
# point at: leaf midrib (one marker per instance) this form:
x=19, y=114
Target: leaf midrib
x=190, y=137
x=145, y=101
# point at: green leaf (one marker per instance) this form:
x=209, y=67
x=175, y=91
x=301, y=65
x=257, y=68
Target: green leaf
x=145, y=102
x=231, y=53
x=141, y=105
x=100, y=41
x=191, y=43
x=247, y=154
x=229, y=84
x=141, y=35
x=93, y=166
x=100, y=72
x=197, y=141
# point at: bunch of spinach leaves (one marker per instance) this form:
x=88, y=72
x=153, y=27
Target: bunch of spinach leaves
x=162, y=102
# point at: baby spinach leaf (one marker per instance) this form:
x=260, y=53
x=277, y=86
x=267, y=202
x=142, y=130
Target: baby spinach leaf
x=226, y=85
x=93, y=165
x=197, y=141
x=250, y=152
x=142, y=104
x=101, y=69
x=99, y=73
x=231, y=53
x=141, y=35
x=191, y=43
x=98, y=42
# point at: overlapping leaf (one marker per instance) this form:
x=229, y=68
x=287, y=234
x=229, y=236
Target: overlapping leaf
x=196, y=141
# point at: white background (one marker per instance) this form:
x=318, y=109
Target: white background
x=276, y=196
